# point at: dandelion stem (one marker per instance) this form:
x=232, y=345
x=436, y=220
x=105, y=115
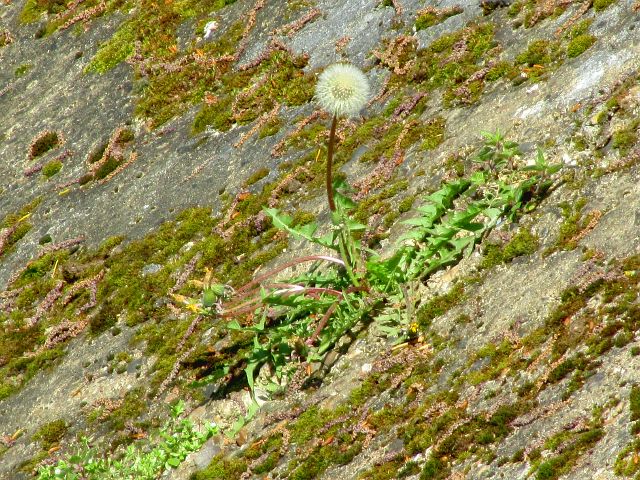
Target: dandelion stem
x=332, y=141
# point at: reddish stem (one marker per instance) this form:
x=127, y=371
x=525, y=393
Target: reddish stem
x=332, y=141
x=325, y=319
x=310, y=258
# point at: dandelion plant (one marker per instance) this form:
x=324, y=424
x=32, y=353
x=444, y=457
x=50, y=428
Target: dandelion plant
x=342, y=90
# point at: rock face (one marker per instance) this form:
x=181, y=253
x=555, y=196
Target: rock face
x=139, y=142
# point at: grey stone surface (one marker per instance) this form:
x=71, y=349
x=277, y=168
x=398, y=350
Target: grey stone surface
x=175, y=170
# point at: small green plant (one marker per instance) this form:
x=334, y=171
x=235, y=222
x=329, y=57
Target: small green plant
x=497, y=152
x=304, y=316
x=176, y=439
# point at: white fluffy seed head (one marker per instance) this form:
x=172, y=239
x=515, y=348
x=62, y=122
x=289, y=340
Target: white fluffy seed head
x=342, y=89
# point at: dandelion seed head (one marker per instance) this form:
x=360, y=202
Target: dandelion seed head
x=342, y=89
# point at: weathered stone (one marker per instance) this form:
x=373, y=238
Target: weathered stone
x=175, y=170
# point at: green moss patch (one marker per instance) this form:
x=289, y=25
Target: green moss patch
x=33, y=9
x=241, y=97
x=573, y=224
x=540, y=57
x=439, y=305
x=431, y=16
x=50, y=434
x=271, y=128
x=580, y=44
x=51, y=168
x=22, y=70
x=256, y=176
x=599, y=5
x=627, y=463
x=438, y=66
x=115, y=51
x=340, y=452
x=625, y=138
x=523, y=243
x=568, y=448
x=133, y=406
x=169, y=91
x=222, y=468
x=16, y=225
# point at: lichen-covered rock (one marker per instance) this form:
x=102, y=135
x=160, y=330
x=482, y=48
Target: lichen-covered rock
x=139, y=143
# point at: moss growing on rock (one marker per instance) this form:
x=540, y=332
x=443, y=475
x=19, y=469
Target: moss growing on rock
x=580, y=44
x=572, y=225
x=271, y=128
x=256, y=176
x=133, y=406
x=433, y=133
x=435, y=469
x=51, y=168
x=568, y=448
x=540, y=57
x=599, y=5
x=33, y=9
x=18, y=225
x=22, y=70
x=523, y=243
x=241, y=97
x=50, y=434
x=437, y=66
x=626, y=462
x=222, y=468
x=107, y=167
x=115, y=51
x=439, y=305
x=431, y=17
x=625, y=138
x=338, y=452
x=217, y=116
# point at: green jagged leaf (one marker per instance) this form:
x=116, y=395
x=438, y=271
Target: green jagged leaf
x=209, y=297
x=479, y=178
x=354, y=226
x=415, y=234
x=214, y=377
x=283, y=222
x=234, y=325
x=463, y=219
x=343, y=203
x=442, y=232
x=250, y=371
x=425, y=222
x=462, y=243
x=280, y=220
x=307, y=230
